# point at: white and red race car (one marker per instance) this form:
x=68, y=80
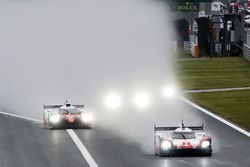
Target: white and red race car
x=66, y=116
x=181, y=140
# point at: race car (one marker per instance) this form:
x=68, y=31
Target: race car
x=66, y=116
x=182, y=140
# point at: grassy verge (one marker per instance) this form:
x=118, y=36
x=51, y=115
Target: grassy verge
x=232, y=105
x=184, y=55
x=219, y=73
x=214, y=73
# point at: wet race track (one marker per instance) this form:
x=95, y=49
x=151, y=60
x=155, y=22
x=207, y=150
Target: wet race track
x=85, y=51
x=26, y=143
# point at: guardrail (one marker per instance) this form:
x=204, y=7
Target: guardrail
x=246, y=52
x=191, y=48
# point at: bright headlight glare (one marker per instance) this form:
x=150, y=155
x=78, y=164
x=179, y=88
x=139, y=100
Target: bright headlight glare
x=87, y=117
x=113, y=101
x=205, y=144
x=165, y=145
x=55, y=118
x=169, y=91
x=141, y=100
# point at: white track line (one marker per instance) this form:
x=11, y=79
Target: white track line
x=82, y=148
x=216, y=90
x=71, y=133
x=216, y=117
x=19, y=116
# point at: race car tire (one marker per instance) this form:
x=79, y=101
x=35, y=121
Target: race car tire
x=164, y=154
x=156, y=151
x=49, y=126
x=87, y=126
x=208, y=154
x=44, y=125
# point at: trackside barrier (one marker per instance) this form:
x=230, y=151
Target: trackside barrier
x=191, y=48
x=246, y=52
x=187, y=47
x=196, y=51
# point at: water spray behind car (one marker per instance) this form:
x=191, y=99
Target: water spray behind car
x=113, y=56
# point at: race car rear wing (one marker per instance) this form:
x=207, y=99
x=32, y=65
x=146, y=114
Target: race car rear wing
x=51, y=106
x=58, y=106
x=162, y=128
x=78, y=105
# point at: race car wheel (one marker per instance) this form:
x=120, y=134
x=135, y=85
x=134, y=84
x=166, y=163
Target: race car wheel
x=87, y=126
x=49, y=126
x=208, y=153
x=44, y=125
x=163, y=154
x=156, y=151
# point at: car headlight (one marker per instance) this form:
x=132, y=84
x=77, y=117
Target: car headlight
x=113, y=101
x=55, y=118
x=141, y=100
x=169, y=91
x=205, y=144
x=86, y=117
x=165, y=145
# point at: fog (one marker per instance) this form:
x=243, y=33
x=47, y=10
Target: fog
x=83, y=50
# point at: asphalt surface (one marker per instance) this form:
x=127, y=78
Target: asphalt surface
x=26, y=143
x=230, y=148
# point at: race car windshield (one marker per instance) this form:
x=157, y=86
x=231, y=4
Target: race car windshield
x=66, y=111
x=182, y=135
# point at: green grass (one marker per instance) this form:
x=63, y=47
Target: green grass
x=233, y=105
x=184, y=55
x=214, y=73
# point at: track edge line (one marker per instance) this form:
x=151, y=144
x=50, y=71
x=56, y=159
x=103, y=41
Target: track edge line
x=216, y=116
x=21, y=117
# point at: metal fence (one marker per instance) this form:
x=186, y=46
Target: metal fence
x=246, y=52
x=247, y=37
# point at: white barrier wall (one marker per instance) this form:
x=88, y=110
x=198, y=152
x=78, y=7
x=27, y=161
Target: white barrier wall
x=246, y=52
x=189, y=47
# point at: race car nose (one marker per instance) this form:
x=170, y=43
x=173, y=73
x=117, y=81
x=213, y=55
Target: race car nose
x=186, y=143
x=71, y=118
